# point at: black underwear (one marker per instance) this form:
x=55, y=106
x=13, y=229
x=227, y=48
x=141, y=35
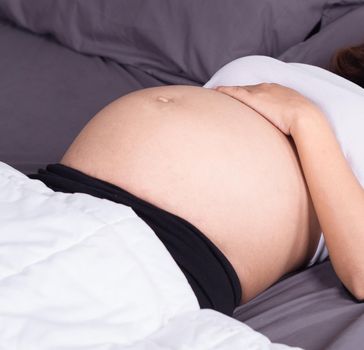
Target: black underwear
x=209, y=273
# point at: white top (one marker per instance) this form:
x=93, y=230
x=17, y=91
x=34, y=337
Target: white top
x=341, y=100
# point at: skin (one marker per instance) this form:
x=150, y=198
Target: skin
x=216, y=162
x=337, y=195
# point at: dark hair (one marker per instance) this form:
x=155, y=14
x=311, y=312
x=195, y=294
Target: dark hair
x=348, y=62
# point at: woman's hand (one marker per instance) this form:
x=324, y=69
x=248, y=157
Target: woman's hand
x=337, y=195
x=281, y=105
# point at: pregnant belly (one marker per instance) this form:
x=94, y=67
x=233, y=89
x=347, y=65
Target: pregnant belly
x=212, y=160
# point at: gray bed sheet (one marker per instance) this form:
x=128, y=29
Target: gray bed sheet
x=311, y=309
x=50, y=88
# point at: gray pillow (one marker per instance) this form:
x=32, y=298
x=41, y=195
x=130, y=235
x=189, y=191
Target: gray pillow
x=345, y=31
x=169, y=38
x=48, y=93
x=337, y=8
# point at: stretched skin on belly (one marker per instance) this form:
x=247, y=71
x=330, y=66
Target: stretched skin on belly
x=217, y=163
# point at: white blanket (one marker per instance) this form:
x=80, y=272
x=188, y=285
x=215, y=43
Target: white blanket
x=79, y=272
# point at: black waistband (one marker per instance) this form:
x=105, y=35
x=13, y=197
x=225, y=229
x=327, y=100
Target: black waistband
x=209, y=273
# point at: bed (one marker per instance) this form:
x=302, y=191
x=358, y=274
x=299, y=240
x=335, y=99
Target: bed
x=66, y=60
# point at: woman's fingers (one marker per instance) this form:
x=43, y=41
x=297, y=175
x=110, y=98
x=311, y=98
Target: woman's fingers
x=234, y=90
x=272, y=101
x=250, y=95
x=240, y=93
x=277, y=103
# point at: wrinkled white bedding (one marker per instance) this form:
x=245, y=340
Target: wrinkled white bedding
x=79, y=272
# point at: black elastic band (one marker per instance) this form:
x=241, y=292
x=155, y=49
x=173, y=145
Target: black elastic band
x=209, y=273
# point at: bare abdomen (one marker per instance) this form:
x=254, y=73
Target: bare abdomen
x=212, y=160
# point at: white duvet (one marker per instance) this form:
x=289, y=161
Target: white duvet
x=82, y=273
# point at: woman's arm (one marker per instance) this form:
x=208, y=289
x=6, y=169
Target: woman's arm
x=337, y=195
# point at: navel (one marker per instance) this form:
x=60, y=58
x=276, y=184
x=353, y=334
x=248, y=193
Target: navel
x=164, y=99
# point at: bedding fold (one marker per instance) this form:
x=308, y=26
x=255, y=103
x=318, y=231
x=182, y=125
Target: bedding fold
x=79, y=272
x=167, y=39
